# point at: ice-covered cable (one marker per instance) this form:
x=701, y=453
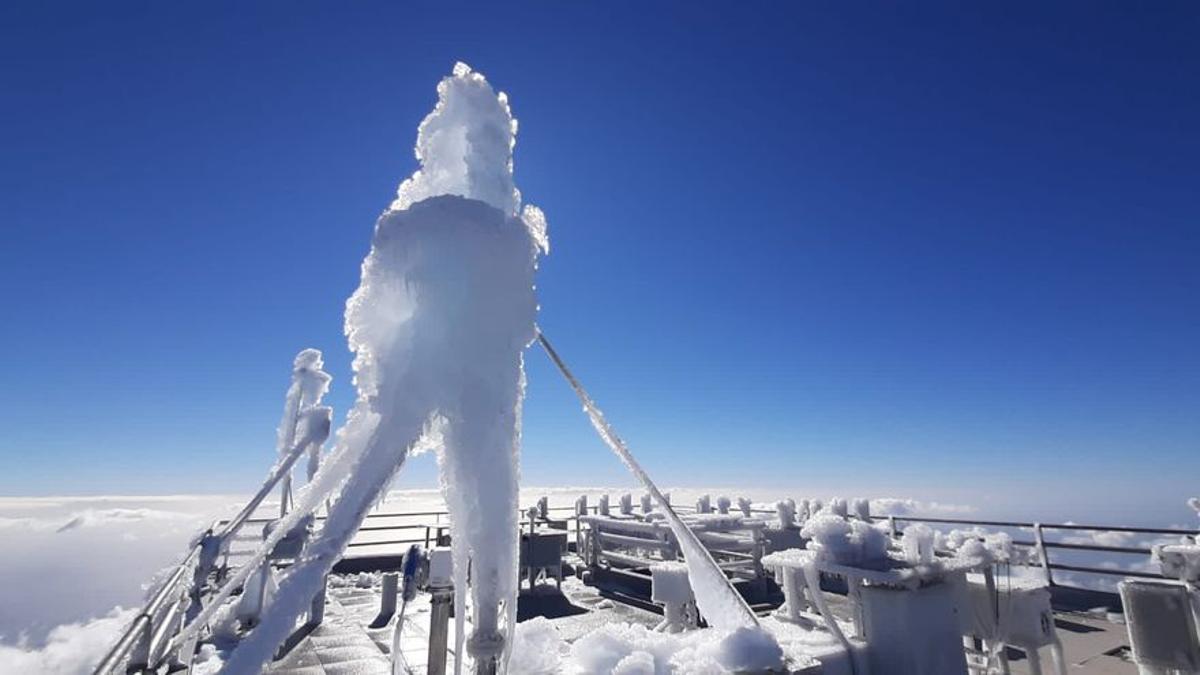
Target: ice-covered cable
x=720, y=604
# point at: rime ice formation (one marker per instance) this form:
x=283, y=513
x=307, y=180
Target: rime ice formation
x=438, y=324
x=309, y=385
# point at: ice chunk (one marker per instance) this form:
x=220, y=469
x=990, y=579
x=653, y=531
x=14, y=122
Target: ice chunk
x=624, y=648
x=785, y=513
x=537, y=648
x=861, y=509
x=917, y=544
x=670, y=582
x=853, y=543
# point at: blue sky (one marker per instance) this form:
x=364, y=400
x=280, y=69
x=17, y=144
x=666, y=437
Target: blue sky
x=802, y=244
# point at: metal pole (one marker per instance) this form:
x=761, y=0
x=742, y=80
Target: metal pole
x=315, y=435
x=439, y=628
x=316, y=612
x=387, y=599
x=717, y=587
x=1045, y=556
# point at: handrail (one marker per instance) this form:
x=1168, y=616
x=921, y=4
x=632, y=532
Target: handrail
x=143, y=626
x=1048, y=526
x=1049, y=565
x=146, y=636
x=317, y=433
x=148, y=633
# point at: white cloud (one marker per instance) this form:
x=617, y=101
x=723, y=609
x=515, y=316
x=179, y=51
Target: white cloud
x=69, y=649
x=893, y=506
x=67, y=560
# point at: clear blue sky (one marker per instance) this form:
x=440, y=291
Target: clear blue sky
x=798, y=244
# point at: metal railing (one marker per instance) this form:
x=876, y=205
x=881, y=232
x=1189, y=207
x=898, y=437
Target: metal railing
x=142, y=644
x=1042, y=546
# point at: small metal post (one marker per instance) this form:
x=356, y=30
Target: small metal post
x=793, y=594
x=139, y=659
x=316, y=611
x=1045, y=556
x=892, y=525
x=441, y=591
x=285, y=493
x=387, y=597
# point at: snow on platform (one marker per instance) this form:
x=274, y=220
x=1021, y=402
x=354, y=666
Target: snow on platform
x=347, y=644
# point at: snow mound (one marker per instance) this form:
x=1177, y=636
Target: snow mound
x=852, y=543
x=537, y=648
x=623, y=648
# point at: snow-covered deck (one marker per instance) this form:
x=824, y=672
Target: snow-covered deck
x=346, y=643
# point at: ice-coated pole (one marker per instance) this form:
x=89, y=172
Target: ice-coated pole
x=718, y=600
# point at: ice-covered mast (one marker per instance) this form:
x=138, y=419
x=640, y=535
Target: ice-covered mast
x=438, y=325
x=309, y=384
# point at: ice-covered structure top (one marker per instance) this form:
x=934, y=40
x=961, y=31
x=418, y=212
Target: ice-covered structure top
x=465, y=146
x=443, y=313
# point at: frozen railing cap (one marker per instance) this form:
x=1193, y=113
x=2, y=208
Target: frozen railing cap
x=308, y=387
x=862, y=509
x=917, y=544
x=785, y=512
x=846, y=542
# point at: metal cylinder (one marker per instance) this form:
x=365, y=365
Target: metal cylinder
x=316, y=611
x=439, y=628
x=387, y=596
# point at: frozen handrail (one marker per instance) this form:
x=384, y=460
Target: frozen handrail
x=319, y=429
x=321, y=418
x=148, y=628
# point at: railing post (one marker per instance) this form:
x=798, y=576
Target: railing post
x=139, y=657
x=387, y=597
x=892, y=525
x=1045, y=555
x=441, y=591
x=316, y=611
